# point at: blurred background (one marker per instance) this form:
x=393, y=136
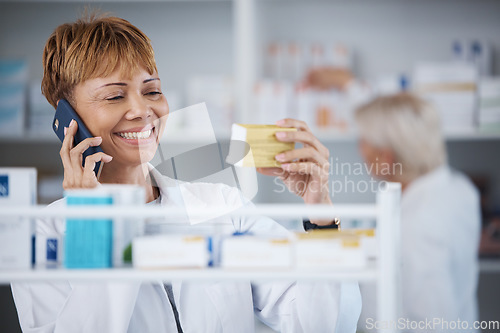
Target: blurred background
x=244, y=58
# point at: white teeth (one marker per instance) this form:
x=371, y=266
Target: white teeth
x=136, y=135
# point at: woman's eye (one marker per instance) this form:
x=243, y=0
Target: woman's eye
x=153, y=93
x=116, y=98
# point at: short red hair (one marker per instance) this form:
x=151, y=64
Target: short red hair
x=91, y=48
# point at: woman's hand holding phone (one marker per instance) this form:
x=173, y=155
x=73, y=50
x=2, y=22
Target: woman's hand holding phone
x=75, y=175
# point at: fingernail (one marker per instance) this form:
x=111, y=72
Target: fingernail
x=285, y=166
x=280, y=157
x=98, y=138
x=71, y=122
x=65, y=130
x=280, y=122
x=280, y=135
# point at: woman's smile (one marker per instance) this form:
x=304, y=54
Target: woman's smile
x=138, y=136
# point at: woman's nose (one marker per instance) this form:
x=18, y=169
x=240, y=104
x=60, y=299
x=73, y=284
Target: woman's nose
x=138, y=108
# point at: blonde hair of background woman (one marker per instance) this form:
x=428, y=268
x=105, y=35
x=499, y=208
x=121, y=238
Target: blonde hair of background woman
x=408, y=126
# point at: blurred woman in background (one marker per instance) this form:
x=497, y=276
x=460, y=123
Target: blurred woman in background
x=401, y=141
x=400, y=135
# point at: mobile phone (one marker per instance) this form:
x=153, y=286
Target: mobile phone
x=64, y=114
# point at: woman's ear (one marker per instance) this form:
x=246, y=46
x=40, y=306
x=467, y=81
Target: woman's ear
x=387, y=156
x=387, y=165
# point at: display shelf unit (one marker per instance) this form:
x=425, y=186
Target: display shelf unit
x=489, y=266
x=51, y=139
x=246, y=51
x=270, y=210
x=130, y=274
x=330, y=135
x=385, y=271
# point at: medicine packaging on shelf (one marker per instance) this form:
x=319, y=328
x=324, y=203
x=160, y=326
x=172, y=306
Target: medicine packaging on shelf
x=368, y=241
x=49, y=250
x=101, y=242
x=217, y=92
x=329, y=248
x=88, y=241
x=13, y=81
x=40, y=112
x=283, y=89
x=272, y=95
x=489, y=104
x=451, y=87
x=17, y=188
x=476, y=52
x=247, y=251
x=170, y=251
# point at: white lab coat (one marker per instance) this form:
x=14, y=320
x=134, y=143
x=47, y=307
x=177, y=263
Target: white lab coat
x=440, y=241
x=440, y=228
x=108, y=307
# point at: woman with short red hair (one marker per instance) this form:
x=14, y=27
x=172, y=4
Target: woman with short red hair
x=105, y=68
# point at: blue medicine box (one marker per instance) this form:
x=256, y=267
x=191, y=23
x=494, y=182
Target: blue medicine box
x=4, y=186
x=88, y=241
x=52, y=249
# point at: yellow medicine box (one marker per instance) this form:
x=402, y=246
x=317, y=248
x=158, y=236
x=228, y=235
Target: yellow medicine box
x=256, y=145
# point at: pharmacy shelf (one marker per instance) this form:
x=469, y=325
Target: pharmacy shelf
x=29, y=139
x=369, y=273
x=471, y=136
x=324, y=136
x=53, y=140
x=489, y=266
x=111, y=1
x=336, y=136
x=385, y=272
x=145, y=211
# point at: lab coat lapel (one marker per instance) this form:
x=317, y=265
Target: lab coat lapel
x=233, y=302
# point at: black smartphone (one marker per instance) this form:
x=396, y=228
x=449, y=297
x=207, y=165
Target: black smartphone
x=64, y=114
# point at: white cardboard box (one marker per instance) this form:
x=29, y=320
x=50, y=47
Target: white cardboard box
x=489, y=104
x=17, y=188
x=256, y=252
x=451, y=87
x=329, y=249
x=170, y=251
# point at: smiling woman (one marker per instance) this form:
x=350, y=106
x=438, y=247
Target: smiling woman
x=127, y=114
x=105, y=68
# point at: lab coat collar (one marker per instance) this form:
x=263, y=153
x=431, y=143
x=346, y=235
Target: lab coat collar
x=196, y=196
x=166, y=185
x=432, y=178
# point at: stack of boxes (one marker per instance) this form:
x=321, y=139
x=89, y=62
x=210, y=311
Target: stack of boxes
x=489, y=105
x=282, y=93
x=314, y=250
x=451, y=87
x=13, y=86
x=101, y=242
x=17, y=188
